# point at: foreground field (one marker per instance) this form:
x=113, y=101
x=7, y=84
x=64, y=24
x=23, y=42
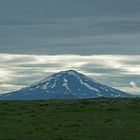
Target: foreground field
x=99, y=119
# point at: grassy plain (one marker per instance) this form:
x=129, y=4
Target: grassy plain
x=93, y=119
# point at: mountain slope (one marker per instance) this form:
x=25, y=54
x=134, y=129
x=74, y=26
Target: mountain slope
x=66, y=85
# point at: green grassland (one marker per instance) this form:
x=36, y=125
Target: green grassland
x=95, y=119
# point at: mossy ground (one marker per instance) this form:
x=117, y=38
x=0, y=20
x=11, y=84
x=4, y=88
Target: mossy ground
x=96, y=119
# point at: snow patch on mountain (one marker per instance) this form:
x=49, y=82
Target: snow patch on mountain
x=65, y=84
x=91, y=88
x=44, y=87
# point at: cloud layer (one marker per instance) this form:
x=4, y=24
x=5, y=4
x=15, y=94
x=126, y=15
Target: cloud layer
x=120, y=71
x=83, y=27
x=73, y=35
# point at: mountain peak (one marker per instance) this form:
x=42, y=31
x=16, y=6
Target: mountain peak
x=69, y=72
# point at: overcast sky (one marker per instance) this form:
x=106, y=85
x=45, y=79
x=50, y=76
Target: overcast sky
x=52, y=30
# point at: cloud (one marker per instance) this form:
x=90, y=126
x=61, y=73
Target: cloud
x=83, y=35
x=134, y=91
x=5, y=75
x=4, y=88
x=133, y=84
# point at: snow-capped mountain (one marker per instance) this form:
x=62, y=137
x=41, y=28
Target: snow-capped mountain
x=66, y=85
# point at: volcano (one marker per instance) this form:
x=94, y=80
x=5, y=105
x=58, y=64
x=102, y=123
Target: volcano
x=68, y=84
